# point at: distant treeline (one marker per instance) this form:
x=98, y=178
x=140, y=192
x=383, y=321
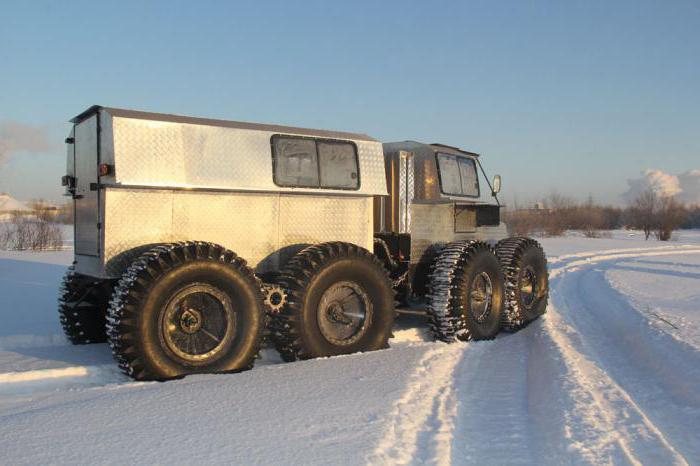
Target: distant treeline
x=657, y=216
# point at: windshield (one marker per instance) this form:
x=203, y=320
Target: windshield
x=458, y=175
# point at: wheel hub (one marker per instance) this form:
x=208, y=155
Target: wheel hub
x=197, y=323
x=344, y=313
x=191, y=321
x=481, y=297
x=336, y=314
x=528, y=287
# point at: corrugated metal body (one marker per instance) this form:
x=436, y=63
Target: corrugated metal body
x=187, y=155
x=435, y=224
x=258, y=227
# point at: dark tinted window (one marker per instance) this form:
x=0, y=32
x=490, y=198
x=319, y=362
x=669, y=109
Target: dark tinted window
x=306, y=162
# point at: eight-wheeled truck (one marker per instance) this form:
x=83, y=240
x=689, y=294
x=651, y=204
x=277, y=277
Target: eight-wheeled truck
x=195, y=239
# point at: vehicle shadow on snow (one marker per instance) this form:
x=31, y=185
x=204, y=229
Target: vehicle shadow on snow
x=31, y=336
x=69, y=355
x=666, y=263
x=671, y=273
x=28, y=296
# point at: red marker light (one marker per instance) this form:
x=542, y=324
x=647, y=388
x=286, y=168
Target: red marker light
x=105, y=169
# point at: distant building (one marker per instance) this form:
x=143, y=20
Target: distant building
x=9, y=204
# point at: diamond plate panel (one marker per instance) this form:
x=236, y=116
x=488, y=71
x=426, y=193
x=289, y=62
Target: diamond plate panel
x=372, y=170
x=312, y=219
x=432, y=223
x=134, y=219
x=410, y=188
x=406, y=190
x=257, y=226
x=435, y=224
x=161, y=153
x=244, y=223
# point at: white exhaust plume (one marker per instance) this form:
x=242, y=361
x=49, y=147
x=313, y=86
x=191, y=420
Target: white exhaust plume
x=685, y=186
x=18, y=137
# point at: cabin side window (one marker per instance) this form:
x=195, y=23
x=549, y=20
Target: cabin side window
x=314, y=163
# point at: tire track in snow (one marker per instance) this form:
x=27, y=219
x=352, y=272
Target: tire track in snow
x=574, y=261
x=610, y=423
x=485, y=402
x=491, y=386
x=565, y=258
x=425, y=412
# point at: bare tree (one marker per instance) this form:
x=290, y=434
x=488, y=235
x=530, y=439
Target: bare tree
x=559, y=214
x=38, y=231
x=642, y=212
x=21, y=229
x=5, y=235
x=670, y=215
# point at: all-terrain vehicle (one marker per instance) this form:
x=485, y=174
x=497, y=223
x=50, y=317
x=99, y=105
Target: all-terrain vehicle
x=196, y=238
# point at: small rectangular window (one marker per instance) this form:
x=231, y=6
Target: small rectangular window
x=312, y=163
x=338, y=164
x=458, y=175
x=296, y=162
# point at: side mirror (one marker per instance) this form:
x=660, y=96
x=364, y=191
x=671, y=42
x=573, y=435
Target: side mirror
x=496, y=184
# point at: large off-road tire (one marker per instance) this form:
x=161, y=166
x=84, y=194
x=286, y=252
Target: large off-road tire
x=527, y=283
x=82, y=305
x=465, y=297
x=339, y=301
x=186, y=308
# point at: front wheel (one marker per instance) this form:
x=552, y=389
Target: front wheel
x=466, y=292
x=186, y=308
x=527, y=284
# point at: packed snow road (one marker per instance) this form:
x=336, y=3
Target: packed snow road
x=609, y=375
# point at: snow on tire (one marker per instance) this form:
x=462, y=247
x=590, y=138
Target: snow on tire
x=340, y=300
x=527, y=285
x=466, y=292
x=82, y=305
x=185, y=308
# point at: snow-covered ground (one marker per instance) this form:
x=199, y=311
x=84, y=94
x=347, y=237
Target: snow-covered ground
x=610, y=375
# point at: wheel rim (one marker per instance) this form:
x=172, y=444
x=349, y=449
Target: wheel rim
x=198, y=323
x=481, y=297
x=528, y=287
x=344, y=313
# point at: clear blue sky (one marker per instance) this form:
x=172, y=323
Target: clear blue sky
x=572, y=96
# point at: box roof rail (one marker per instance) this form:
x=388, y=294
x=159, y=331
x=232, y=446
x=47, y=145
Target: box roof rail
x=136, y=114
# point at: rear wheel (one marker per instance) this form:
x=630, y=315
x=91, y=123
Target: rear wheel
x=82, y=305
x=466, y=290
x=339, y=301
x=186, y=308
x=527, y=283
